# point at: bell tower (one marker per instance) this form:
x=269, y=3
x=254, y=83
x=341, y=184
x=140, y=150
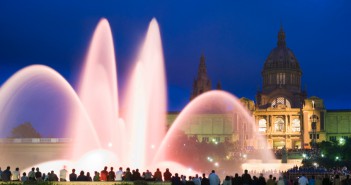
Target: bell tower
x=202, y=83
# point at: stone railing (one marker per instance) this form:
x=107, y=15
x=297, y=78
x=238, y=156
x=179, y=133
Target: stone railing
x=35, y=140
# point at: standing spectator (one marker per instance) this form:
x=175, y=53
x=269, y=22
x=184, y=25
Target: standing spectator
x=261, y=180
x=63, y=174
x=111, y=175
x=270, y=181
x=0, y=174
x=46, y=177
x=6, y=175
x=197, y=180
x=303, y=180
x=52, y=176
x=73, y=175
x=136, y=175
x=312, y=181
x=213, y=178
x=246, y=178
x=127, y=175
x=104, y=174
x=24, y=177
x=16, y=175
x=237, y=180
x=167, y=175
x=38, y=175
x=175, y=180
x=119, y=174
x=31, y=175
x=81, y=176
x=96, y=176
x=204, y=180
x=227, y=181
x=158, y=175
x=281, y=181
x=148, y=175
x=89, y=177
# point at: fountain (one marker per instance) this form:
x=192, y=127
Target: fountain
x=102, y=134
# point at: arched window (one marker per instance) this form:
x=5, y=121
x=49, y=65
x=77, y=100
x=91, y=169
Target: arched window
x=295, y=126
x=262, y=125
x=280, y=101
x=280, y=78
x=279, y=125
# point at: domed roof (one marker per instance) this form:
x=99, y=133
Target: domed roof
x=281, y=57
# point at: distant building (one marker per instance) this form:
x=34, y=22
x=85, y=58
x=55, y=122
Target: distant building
x=282, y=112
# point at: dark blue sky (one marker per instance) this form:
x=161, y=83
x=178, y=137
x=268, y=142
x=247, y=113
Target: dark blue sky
x=235, y=37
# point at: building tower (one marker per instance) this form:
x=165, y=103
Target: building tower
x=279, y=107
x=202, y=83
x=281, y=78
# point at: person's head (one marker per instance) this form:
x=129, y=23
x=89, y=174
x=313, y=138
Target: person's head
x=213, y=171
x=176, y=174
x=167, y=169
x=52, y=171
x=203, y=175
x=8, y=168
x=82, y=172
x=88, y=174
x=105, y=168
x=37, y=169
x=120, y=168
x=73, y=170
x=17, y=169
x=271, y=176
x=245, y=171
x=24, y=174
x=33, y=169
x=111, y=168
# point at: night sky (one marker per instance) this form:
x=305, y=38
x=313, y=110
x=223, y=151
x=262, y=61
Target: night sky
x=235, y=37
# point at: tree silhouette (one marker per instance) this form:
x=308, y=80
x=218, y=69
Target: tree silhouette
x=24, y=130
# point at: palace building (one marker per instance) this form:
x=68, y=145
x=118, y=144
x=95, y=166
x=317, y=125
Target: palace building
x=282, y=111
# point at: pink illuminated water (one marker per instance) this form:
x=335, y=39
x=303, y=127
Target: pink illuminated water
x=102, y=136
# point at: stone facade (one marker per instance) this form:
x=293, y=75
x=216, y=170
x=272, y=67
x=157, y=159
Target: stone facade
x=282, y=112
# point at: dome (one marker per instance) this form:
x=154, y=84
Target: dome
x=281, y=57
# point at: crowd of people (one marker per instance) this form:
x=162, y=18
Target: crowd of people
x=213, y=179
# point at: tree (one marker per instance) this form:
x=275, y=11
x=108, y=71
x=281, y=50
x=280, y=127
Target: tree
x=24, y=130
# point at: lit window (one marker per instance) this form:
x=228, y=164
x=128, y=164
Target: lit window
x=279, y=125
x=280, y=78
x=262, y=125
x=280, y=101
x=295, y=127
